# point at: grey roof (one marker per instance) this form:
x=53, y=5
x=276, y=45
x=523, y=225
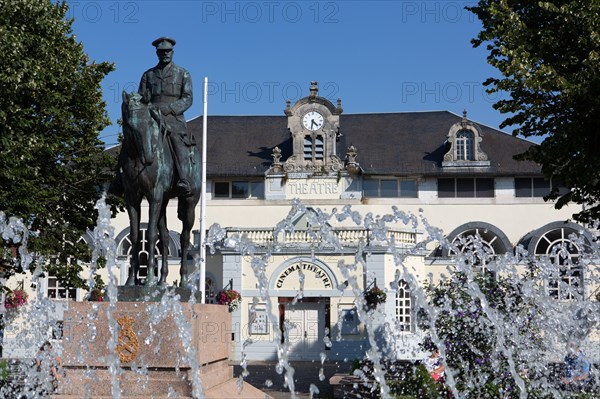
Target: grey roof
x=401, y=144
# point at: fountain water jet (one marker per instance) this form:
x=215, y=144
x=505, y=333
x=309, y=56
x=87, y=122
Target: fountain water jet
x=582, y=315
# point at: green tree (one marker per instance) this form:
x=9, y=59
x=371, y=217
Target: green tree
x=53, y=164
x=548, y=53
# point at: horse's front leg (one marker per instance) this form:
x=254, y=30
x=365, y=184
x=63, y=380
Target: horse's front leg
x=164, y=243
x=186, y=213
x=152, y=237
x=133, y=209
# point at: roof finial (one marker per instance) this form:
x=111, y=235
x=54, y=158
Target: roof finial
x=313, y=89
x=465, y=121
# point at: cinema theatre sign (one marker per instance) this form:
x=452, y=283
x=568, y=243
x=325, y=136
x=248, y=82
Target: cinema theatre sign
x=314, y=277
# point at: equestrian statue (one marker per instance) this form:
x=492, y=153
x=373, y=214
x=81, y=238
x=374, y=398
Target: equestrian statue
x=159, y=160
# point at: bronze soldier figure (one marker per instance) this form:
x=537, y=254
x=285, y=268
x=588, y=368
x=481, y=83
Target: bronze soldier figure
x=168, y=87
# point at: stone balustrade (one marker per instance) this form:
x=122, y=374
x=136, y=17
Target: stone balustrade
x=346, y=236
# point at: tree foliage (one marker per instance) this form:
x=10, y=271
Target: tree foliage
x=548, y=53
x=53, y=164
x=486, y=329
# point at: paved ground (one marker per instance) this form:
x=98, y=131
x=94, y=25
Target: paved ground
x=305, y=374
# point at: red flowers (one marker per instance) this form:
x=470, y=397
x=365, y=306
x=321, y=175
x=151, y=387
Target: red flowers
x=15, y=299
x=231, y=298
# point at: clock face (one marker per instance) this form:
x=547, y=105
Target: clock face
x=313, y=120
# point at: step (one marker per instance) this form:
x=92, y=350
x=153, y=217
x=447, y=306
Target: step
x=122, y=397
x=157, y=382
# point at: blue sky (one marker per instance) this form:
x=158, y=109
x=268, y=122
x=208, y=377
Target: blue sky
x=377, y=56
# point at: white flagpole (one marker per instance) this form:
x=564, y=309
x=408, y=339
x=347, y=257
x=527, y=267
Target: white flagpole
x=202, y=281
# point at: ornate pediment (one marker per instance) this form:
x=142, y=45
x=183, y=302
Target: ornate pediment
x=314, y=124
x=465, y=150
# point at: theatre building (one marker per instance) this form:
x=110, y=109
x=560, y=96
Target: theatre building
x=274, y=180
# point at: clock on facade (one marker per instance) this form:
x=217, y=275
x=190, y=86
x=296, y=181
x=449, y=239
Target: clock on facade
x=313, y=120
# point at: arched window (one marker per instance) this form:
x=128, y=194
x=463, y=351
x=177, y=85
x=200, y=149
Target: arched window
x=465, y=148
x=124, y=248
x=565, y=279
x=403, y=307
x=479, y=243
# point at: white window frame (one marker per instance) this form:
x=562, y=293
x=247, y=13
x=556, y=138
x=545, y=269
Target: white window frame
x=404, y=308
x=58, y=289
x=566, y=280
x=465, y=145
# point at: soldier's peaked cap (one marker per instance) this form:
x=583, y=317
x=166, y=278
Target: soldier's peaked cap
x=164, y=43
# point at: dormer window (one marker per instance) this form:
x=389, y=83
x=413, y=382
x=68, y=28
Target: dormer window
x=464, y=139
x=464, y=146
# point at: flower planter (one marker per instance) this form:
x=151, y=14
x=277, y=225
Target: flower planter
x=231, y=298
x=374, y=297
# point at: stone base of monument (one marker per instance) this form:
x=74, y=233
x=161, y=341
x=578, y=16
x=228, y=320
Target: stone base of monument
x=150, y=351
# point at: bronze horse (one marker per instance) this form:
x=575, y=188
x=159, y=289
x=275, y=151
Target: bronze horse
x=149, y=171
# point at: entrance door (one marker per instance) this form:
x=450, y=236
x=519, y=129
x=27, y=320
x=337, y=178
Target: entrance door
x=306, y=325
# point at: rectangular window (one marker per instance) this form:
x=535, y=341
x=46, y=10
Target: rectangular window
x=531, y=187
x=523, y=187
x=57, y=330
x=567, y=285
x=257, y=189
x=239, y=189
x=466, y=188
x=319, y=147
x=390, y=188
x=446, y=188
x=484, y=188
x=371, y=188
x=349, y=320
x=56, y=291
x=408, y=188
x=541, y=187
x=221, y=189
x=307, y=148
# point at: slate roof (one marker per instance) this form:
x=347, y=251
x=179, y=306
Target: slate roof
x=400, y=144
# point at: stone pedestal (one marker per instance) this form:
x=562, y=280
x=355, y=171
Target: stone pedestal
x=151, y=352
